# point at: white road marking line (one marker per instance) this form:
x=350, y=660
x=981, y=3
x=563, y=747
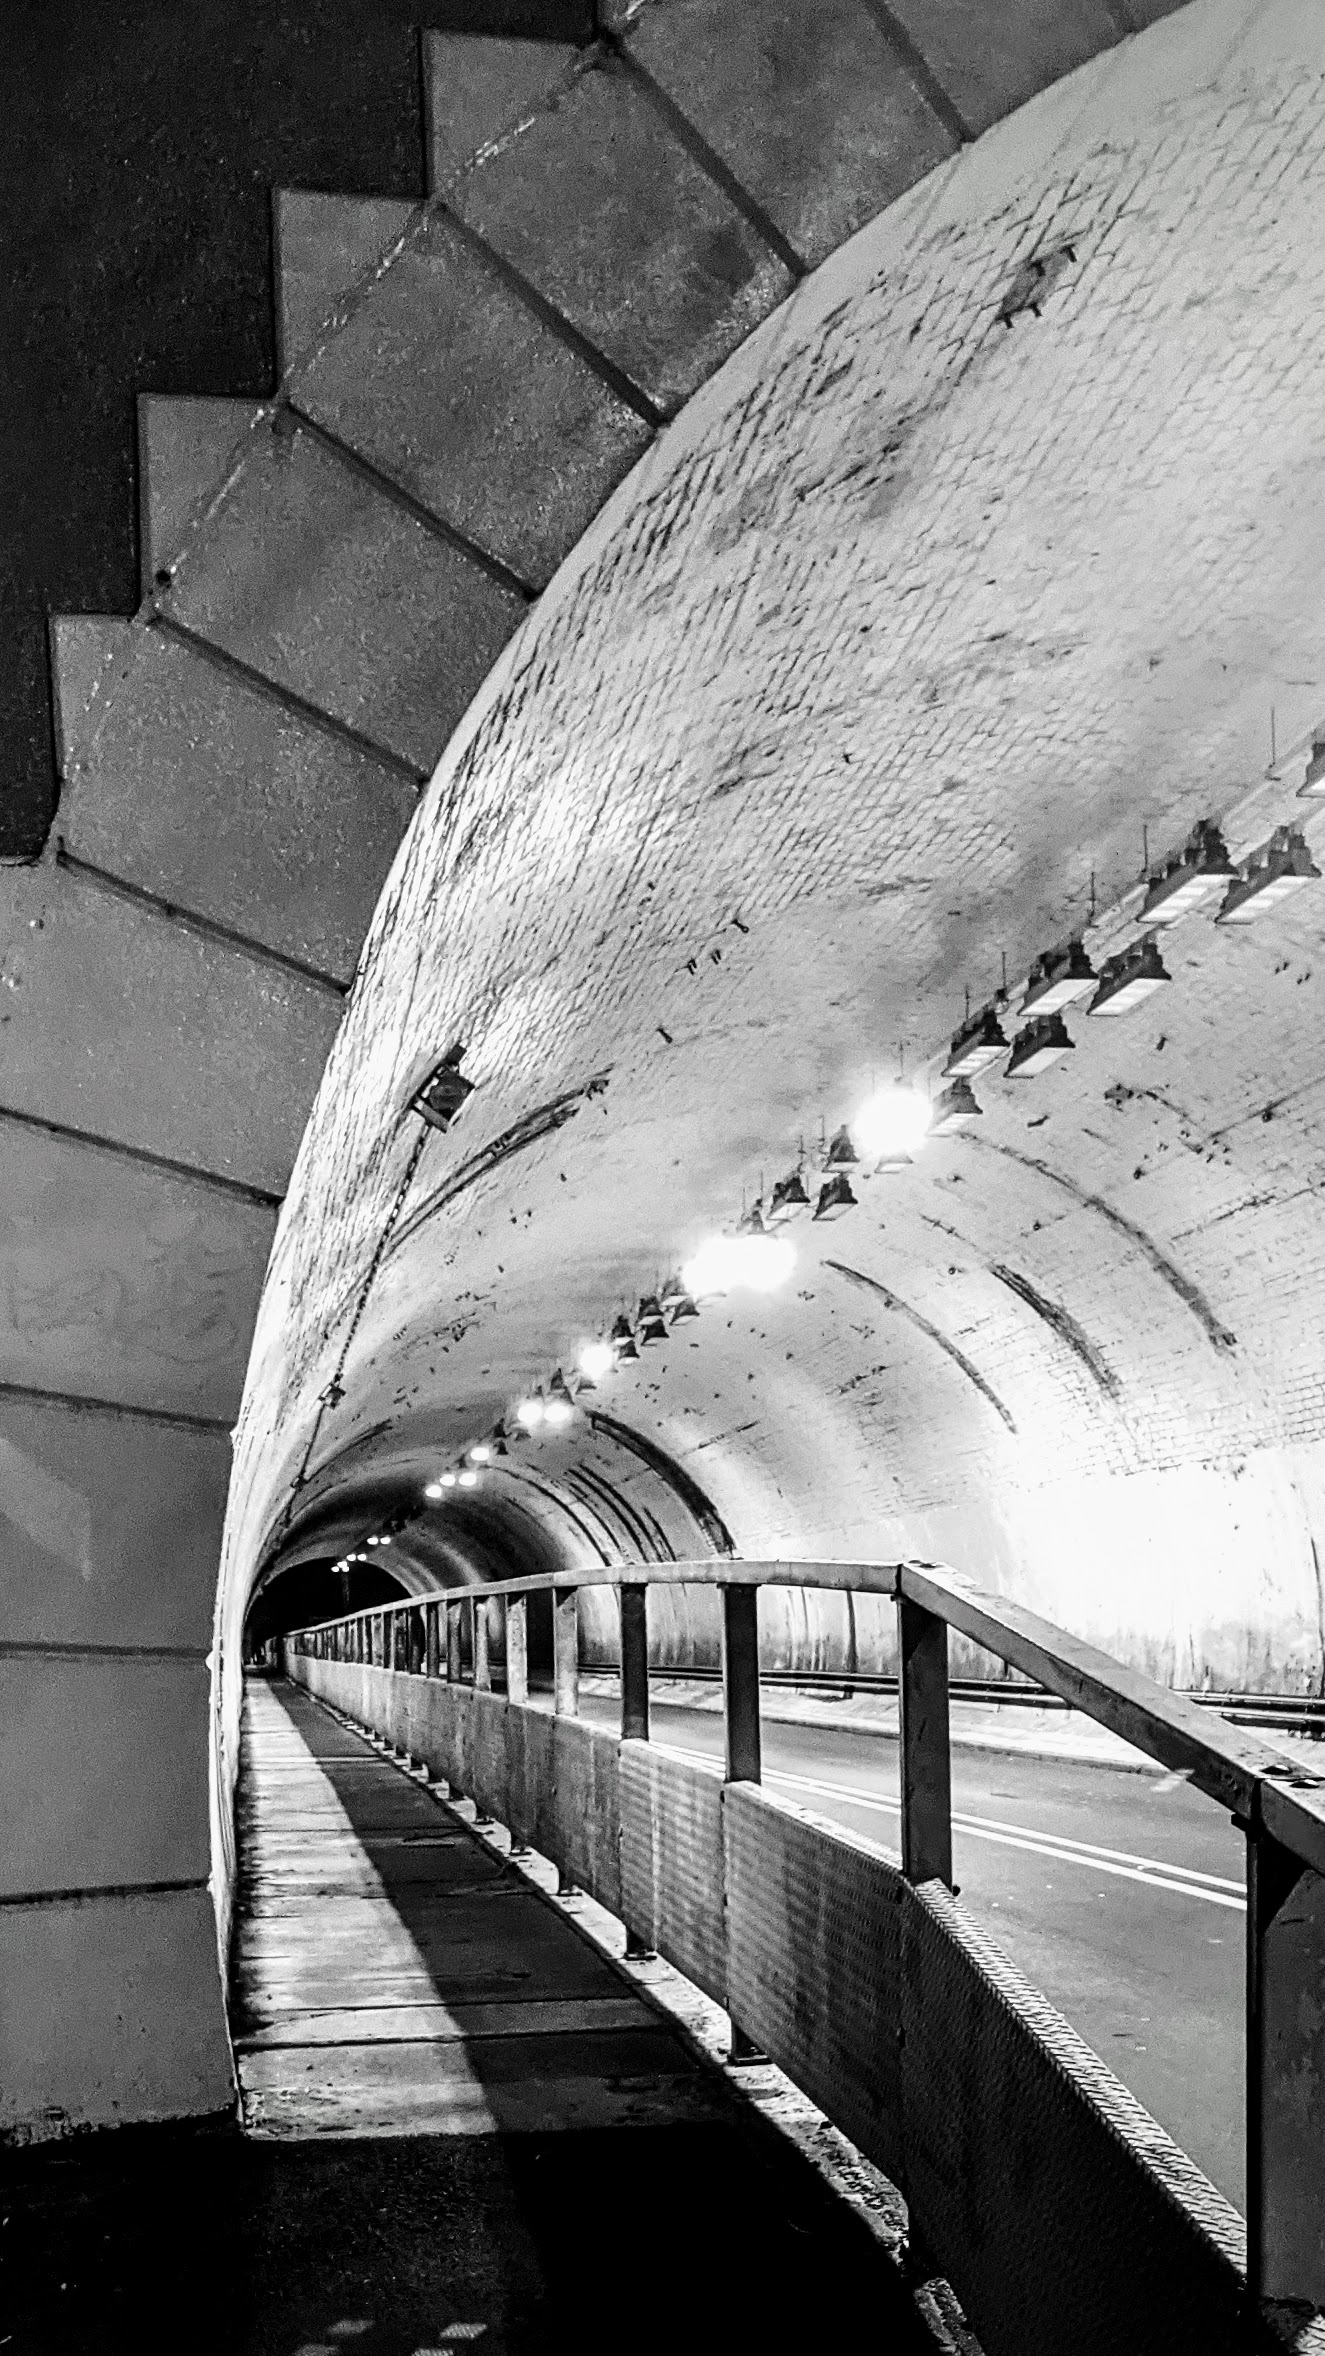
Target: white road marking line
x=1184, y=1881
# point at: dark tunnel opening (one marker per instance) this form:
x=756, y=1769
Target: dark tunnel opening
x=310, y=1592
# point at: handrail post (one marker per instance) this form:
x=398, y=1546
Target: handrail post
x=740, y=1682
x=1285, y=2074
x=740, y=1714
x=634, y=1664
x=517, y=1648
x=565, y=1651
x=414, y=1627
x=479, y=1646
x=430, y=1653
x=926, y=1752
x=453, y=1643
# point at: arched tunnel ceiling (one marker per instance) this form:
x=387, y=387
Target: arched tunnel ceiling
x=870, y=676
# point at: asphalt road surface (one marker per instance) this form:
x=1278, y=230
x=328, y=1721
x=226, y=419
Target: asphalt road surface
x=1119, y=1895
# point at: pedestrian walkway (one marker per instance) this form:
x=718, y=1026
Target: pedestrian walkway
x=395, y=1975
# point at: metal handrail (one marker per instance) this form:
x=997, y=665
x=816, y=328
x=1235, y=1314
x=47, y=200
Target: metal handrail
x=1277, y=1802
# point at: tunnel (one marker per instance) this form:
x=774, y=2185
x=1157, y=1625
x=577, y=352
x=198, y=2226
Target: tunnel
x=676, y=921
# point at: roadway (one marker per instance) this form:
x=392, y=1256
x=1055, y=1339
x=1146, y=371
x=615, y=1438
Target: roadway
x=1119, y=1894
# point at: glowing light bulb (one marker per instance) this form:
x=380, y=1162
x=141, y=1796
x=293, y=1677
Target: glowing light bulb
x=384, y=1541
x=727, y=1263
x=448, y=1480
x=433, y=1489
x=482, y=1454
x=469, y=1480
x=892, y=1124
x=596, y=1359
x=530, y=1414
x=374, y=1541
x=557, y=1412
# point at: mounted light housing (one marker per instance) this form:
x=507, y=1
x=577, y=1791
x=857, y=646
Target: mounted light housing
x=1314, y=781
x=1127, y=980
x=980, y=1042
x=1057, y=979
x=954, y=1108
x=595, y=1360
x=892, y=1125
x=1271, y=875
x=835, y=1197
x=1189, y=881
x=444, y=1091
x=650, y=1323
x=1037, y=1046
x=624, y=1345
x=841, y=1153
x=731, y=1263
x=788, y=1197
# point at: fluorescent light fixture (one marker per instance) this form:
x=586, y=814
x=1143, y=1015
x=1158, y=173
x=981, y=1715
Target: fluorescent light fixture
x=1129, y=978
x=595, y=1360
x=1037, y=1046
x=835, y=1197
x=676, y=1301
x=841, y=1152
x=788, y=1197
x=384, y=1541
x=1271, y=875
x=480, y=1453
x=1057, y=979
x=530, y=1413
x=650, y=1323
x=374, y=1541
x=1186, y=883
x=468, y=1480
x=954, y=1108
x=739, y=1263
x=623, y=1339
x=892, y=1124
x=556, y=1413
x=683, y=1306
x=434, y=1489
x=980, y=1042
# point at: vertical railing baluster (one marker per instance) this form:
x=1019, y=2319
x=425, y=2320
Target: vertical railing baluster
x=517, y=1648
x=565, y=1652
x=1285, y=2074
x=430, y=1653
x=740, y=1710
x=634, y=1664
x=479, y=1645
x=925, y=1745
x=453, y=1643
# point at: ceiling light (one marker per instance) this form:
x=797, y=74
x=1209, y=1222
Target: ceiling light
x=650, y=1324
x=835, y=1196
x=1129, y=978
x=682, y=1306
x=595, y=1360
x=1057, y=978
x=556, y=1413
x=559, y=1388
x=788, y=1197
x=444, y=1090
x=383, y=1541
x=623, y=1338
x=480, y=1453
x=530, y=1413
x=841, y=1152
x=954, y=1108
x=1314, y=781
x=728, y=1263
x=1187, y=882
x=374, y=1541
x=892, y=1124
x=1272, y=875
x=468, y=1480
x=979, y=1042
x=1037, y=1046
x=434, y=1489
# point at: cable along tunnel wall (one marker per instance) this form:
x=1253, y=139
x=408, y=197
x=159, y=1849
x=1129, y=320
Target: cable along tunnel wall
x=1061, y=2212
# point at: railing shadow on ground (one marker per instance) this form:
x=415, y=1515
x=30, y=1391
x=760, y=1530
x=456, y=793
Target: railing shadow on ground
x=1061, y=2212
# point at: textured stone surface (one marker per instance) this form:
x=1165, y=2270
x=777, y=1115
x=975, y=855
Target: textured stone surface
x=324, y=248
x=185, y=446
x=899, y=639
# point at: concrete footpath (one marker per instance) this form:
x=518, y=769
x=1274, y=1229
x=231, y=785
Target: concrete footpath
x=465, y=2123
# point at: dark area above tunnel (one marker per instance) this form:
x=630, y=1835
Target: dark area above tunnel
x=316, y=1591
x=136, y=180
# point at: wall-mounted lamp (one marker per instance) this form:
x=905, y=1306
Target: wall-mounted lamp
x=954, y=1108
x=650, y=1323
x=480, y=1453
x=1271, y=875
x=468, y=1480
x=835, y=1197
x=444, y=1090
x=841, y=1153
x=1057, y=979
x=730, y=1263
x=595, y=1360
x=892, y=1125
x=1129, y=978
x=530, y=1412
x=556, y=1415
x=788, y=1197
x=624, y=1345
x=980, y=1042
x=1187, y=882
x=435, y=1489
x=1037, y=1046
